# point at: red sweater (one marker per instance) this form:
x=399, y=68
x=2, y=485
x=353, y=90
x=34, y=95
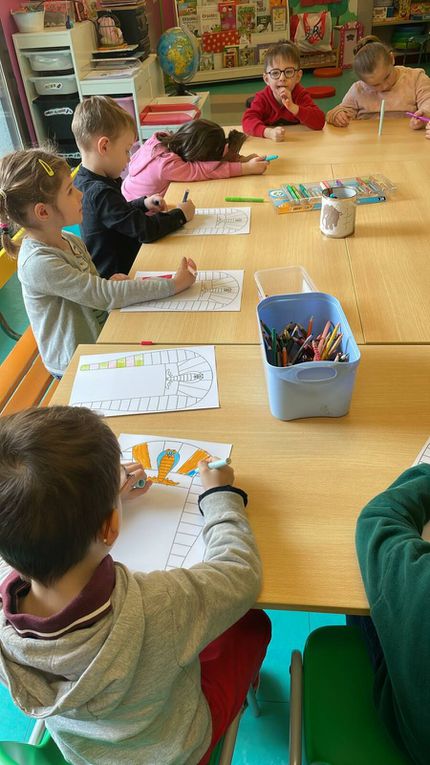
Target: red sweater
x=266, y=112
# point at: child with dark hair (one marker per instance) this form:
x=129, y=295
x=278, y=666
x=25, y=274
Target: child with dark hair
x=198, y=151
x=283, y=101
x=65, y=298
x=123, y=667
x=402, y=88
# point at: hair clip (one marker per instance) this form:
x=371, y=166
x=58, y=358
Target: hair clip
x=47, y=168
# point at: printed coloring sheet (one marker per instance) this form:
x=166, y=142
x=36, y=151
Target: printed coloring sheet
x=217, y=220
x=167, y=380
x=163, y=528
x=212, y=291
x=424, y=457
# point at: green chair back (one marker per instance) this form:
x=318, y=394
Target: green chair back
x=47, y=753
x=341, y=723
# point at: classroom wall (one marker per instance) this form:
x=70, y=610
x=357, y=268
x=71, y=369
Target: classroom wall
x=9, y=28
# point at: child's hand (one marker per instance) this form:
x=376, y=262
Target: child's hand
x=417, y=124
x=289, y=103
x=156, y=203
x=275, y=134
x=119, y=278
x=132, y=473
x=255, y=166
x=213, y=477
x=185, y=275
x=187, y=208
x=341, y=119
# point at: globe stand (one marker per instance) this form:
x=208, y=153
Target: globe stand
x=179, y=89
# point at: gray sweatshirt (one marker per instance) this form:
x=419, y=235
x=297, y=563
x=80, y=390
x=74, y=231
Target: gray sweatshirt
x=126, y=689
x=66, y=300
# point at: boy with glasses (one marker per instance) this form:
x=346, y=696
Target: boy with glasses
x=283, y=101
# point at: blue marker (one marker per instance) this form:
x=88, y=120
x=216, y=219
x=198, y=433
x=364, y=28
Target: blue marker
x=271, y=157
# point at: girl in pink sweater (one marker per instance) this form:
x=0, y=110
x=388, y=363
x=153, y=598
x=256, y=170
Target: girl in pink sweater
x=198, y=151
x=403, y=89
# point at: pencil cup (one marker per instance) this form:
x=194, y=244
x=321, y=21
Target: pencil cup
x=338, y=211
x=312, y=388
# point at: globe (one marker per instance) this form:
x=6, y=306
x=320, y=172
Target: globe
x=179, y=56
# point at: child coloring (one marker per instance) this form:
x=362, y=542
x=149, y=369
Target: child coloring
x=401, y=88
x=123, y=667
x=65, y=298
x=112, y=228
x=283, y=101
x=198, y=151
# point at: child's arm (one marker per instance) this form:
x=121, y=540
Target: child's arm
x=347, y=110
x=304, y=109
x=55, y=276
x=175, y=169
x=395, y=565
x=131, y=219
x=256, y=116
x=209, y=597
x=422, y=87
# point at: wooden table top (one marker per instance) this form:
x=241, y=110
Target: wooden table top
x=381, y=275
x=307, y=479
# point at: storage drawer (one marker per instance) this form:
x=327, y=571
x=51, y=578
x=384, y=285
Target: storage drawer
x=57, y=115
x=60, y=84
x=50, y=60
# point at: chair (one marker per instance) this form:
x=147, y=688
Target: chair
x=42, y=750
x=333, y=690
x=417, y=44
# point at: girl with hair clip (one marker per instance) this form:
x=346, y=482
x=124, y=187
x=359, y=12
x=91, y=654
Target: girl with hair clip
x=198, y=151
x=65, y=298
x=401, y=88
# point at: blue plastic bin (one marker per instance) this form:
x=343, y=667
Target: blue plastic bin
x=311, y=389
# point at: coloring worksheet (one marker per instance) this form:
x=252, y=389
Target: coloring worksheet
x=424, y=455
x=212, y=291
x=424, y=458
x=167, y=380
x=163, y=528
x=217, y=220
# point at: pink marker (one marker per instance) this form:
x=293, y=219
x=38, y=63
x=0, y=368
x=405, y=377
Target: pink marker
x=416, y=117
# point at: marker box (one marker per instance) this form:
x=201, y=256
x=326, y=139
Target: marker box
x=304, y=196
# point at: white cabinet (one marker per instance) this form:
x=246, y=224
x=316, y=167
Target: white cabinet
x=77, y=44
x=143, y=85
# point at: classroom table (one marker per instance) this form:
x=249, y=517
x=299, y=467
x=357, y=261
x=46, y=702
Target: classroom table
x=307, y=479
x=380, y=275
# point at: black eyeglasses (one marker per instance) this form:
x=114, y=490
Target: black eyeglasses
x=289, y=73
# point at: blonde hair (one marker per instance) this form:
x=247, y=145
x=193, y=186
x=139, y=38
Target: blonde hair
x=26, y=178
x=368, y=52
x=97, y=116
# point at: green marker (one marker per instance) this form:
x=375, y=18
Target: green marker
x=244, y=199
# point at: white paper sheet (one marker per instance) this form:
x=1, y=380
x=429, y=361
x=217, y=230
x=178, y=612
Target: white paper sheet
x=163, y=528
x=212, y=291
x=424, y=457
x=217, y=220
x=143, y=382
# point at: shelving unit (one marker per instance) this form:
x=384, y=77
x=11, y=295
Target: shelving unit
x=142, y=85
x=384, y=27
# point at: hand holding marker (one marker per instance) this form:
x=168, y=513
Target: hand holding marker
x=269, y=158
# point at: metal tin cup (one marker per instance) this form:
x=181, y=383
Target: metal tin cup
x=338, y=211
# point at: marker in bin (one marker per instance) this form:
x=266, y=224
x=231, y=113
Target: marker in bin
x=297, y=344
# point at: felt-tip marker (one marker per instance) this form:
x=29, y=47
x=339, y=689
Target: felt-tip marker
x=271, y=157
x=219, y=464
x=417, y=117
x=244, y=199
x=185, y=197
